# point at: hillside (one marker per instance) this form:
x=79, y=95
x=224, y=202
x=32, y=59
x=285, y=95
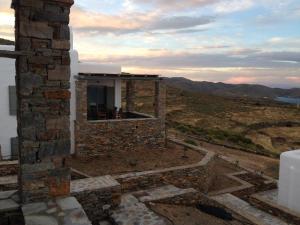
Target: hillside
x=6, y=42
x=238, y=90
x=256, y=125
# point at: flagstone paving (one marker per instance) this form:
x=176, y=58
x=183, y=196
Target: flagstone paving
x=247, y=211
x=133, y=212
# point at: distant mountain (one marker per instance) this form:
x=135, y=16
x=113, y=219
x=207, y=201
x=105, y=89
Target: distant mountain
x=232, y=90
x=6, y=42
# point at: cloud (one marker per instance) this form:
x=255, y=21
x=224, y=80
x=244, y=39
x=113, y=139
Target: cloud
x=294, y=79
x=179, y=22
x=92, y=23
x=206, y=60
x=241, y=80
x=229, y=6
x=175, y=5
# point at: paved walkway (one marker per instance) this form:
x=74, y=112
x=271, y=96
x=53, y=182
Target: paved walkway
x=247, y=211
x=133, y=212
x=168, y=191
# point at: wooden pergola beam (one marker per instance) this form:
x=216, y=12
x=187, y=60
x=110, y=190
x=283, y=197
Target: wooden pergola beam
x=12, y=54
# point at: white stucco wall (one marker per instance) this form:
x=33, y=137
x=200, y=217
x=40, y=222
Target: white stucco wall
x=74, y=72
x=118, y=93
x=8, y=124
x=89, y=67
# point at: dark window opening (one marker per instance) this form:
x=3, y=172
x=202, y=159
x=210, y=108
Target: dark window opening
x=101, y=102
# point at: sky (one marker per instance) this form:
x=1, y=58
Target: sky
x=231, y=41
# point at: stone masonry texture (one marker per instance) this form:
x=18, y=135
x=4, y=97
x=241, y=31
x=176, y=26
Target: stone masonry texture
x=95, y=138
x=42, y=81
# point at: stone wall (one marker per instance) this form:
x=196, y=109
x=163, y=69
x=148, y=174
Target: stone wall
x=94, y=138
x=103, y=137
x=97, y=196
x=198, y=176
x=8, y=168
x=42, y=81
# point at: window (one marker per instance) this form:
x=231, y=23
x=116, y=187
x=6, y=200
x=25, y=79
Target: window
x=101, y=102
x=12, y=100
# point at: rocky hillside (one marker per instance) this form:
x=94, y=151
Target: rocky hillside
x=6, y=42
x=239, y=90
x=251, y=124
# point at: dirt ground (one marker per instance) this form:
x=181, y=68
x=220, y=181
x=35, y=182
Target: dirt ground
x=268, y=166
x=221, y=182
x=182, y=215
x=136, y=160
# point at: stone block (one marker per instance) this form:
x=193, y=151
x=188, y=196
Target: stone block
x=68, y=203
x=36, y=29
x=60, y=73
x=47, y=135
x=24, y=44
x=58, y=94
x=40, y=60
x=38, y=4
x=61, y=44
x=40, y=43
x=51, y=16
x=57, y=123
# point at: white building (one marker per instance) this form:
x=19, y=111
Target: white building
x=100, y=101
x=8, y=106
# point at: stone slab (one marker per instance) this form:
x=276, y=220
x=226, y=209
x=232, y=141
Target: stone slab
x=8, y=205
x=247, y=211
x=7, y=194
x=68, y=203
x=131, y=212
x=94, y=183
x=61, y=211
x=164, y=192
x=8, y=180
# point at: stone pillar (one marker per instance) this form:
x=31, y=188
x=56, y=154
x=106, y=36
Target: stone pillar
x=42, y=81
x=81, y=101
x=160, y=100
x=130, y=96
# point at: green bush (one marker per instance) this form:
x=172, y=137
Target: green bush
x=191, y=142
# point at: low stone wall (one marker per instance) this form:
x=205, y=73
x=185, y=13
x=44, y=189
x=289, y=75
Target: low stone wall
x=198, y=176
x=97, y=195
x=103, y=137
x=8, y=168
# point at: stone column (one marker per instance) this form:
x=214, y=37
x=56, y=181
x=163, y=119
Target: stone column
x=160, y=100
x=42, y=80
x=130, y=96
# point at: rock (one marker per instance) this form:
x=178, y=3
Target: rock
x=40, y=220
x=33, y=208
x=68, y=203
x=8, y=205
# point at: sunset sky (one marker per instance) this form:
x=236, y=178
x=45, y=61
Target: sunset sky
x=232, y=41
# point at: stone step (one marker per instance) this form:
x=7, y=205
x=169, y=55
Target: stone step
x=65, y=211
x=131, y=211
x=164, y=192
x=247, y=211
x=268, y=201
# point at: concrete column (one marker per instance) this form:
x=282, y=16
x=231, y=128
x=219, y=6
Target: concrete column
x=130, y=96
x=118, y=94
x=160, y=99
x=42, y=81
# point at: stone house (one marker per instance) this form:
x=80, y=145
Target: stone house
x=98, y=123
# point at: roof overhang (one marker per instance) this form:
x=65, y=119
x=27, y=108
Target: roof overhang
x=121, y=76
